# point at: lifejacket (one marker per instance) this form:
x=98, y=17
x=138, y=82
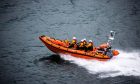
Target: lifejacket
x=90, y=44
x=74, y=41
x=85, y=43
x=67, y=43
x=81, y=44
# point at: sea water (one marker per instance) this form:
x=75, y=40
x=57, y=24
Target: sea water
x=126, y=63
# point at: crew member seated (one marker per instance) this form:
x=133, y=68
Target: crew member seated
x=81, y=45
x=73, y=43
x=84, y=41
x=67, y=43
x=89, y=46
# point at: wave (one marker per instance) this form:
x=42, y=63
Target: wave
x=126, y=63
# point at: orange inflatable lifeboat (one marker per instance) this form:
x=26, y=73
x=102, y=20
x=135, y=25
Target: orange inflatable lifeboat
x=59, y=47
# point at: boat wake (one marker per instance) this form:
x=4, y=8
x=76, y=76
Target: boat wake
x=126, y=63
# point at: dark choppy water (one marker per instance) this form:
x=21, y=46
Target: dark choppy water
x=23, y=21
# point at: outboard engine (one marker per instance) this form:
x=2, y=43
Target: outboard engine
x=111, y=37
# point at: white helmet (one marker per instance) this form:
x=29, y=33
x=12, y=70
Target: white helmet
x=84, y=39
x=74, y=38
x=90, y=40
x=111, y=31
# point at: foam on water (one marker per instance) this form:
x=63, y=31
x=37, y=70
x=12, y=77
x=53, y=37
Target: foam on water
x=126, y=63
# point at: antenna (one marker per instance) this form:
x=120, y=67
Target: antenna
x=111, y=37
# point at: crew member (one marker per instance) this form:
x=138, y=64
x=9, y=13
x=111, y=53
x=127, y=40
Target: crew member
x=73, y=43
x=81, y=45
x=67, y=43
x=89, y=46
x=85, y=43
